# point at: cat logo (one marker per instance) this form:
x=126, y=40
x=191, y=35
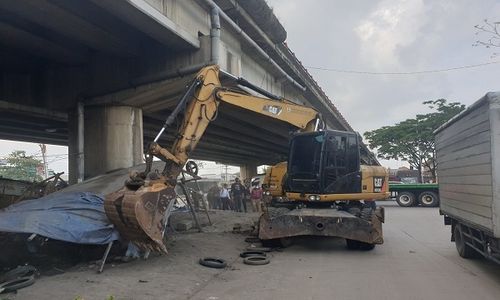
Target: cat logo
x=273, y=109
x=378, y=182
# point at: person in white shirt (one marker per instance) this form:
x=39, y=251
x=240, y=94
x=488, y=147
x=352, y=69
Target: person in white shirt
x=224, y=197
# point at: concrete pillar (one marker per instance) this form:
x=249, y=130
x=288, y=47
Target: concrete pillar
x=247, y=171
x=76, y=144
x=113, y=138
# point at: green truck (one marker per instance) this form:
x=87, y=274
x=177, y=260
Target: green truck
x=414, y=194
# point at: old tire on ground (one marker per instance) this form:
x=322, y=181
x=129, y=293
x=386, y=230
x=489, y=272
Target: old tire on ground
x=405, y=199
x=17, y=283
x=352, y=244
x=463, y=249
x=263, y=249
x=20, y=271
x=252, y=253
x=256, y=260
x=213, y=262
x=252, y=239
x=429, y=199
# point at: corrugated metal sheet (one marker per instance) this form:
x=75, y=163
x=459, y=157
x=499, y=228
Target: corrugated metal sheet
x=467, y=154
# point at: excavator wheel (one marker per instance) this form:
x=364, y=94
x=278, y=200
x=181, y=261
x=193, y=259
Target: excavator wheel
x=357, y=245
x=366, y=213
x=277, y=243
x=352, y=244
x=355, y=211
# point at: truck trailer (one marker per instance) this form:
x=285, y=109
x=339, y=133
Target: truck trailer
x=468, y=157
x=414, y=194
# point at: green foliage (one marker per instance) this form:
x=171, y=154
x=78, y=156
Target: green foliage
x=21, y=167
x=412, y=140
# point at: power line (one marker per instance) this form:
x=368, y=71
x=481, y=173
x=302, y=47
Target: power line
x=403, y=73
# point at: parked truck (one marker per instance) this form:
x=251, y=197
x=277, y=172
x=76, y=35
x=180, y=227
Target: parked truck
x=468, y=156
x=413, y=194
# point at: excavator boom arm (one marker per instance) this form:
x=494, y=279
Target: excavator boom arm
x=210, y=94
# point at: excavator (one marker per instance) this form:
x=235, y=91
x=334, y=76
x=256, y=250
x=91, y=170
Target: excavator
x=323, y=189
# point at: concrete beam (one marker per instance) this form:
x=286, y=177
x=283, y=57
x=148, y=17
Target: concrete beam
x=15, y=129
x=20, y=135
x=146, y=18
x=206, y=151
x=53, y=17
x=33, y=111
x=224, y=146
x=19, y=39
x=231, y=135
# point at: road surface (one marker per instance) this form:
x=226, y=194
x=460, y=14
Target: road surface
x=417, y=261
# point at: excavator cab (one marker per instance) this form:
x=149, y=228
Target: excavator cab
x=328, y=189
x=324, y=162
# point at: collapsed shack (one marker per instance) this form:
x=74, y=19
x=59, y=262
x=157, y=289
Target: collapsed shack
x=67, y=227
x=13, y=191
x=58, y=229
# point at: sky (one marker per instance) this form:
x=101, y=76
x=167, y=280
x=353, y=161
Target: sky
x=391, y=36
x=377, y=36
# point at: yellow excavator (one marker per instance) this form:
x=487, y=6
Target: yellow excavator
x=319, y=191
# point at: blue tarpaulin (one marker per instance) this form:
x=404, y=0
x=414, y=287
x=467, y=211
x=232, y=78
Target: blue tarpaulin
x=72, y=217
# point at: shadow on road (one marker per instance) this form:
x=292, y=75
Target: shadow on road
x=317, y=243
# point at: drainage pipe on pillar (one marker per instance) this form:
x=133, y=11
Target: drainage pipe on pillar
x=80, y=160
x=263, y=53
x=214, y=35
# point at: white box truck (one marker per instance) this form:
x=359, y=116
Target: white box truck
x=468, y=157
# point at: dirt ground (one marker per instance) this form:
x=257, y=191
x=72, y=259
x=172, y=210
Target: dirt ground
x=417, y=261
x=176, y=275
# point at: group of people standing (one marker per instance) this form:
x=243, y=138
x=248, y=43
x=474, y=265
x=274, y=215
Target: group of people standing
x=235, y=198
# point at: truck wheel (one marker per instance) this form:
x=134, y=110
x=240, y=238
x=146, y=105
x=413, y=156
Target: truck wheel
x=352, y=244
x=463, y=249
x=405, y=199
x=366, y=246
x=429, y=199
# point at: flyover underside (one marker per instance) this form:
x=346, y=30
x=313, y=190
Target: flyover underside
x=236, y=136
x=56, y=55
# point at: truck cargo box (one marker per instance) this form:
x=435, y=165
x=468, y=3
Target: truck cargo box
x=468, y=157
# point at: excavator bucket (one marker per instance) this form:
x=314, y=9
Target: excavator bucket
x=141, y=216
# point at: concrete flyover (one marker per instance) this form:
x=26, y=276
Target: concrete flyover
x=102, y=75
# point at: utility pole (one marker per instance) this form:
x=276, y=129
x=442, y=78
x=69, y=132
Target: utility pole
x=43, y=148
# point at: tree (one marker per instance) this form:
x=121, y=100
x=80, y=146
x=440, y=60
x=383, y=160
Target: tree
x=412, y=140
x=488, y=35
x=21, y=167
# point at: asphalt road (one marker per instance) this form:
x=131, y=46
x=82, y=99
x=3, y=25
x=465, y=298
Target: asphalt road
x=417, y=261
